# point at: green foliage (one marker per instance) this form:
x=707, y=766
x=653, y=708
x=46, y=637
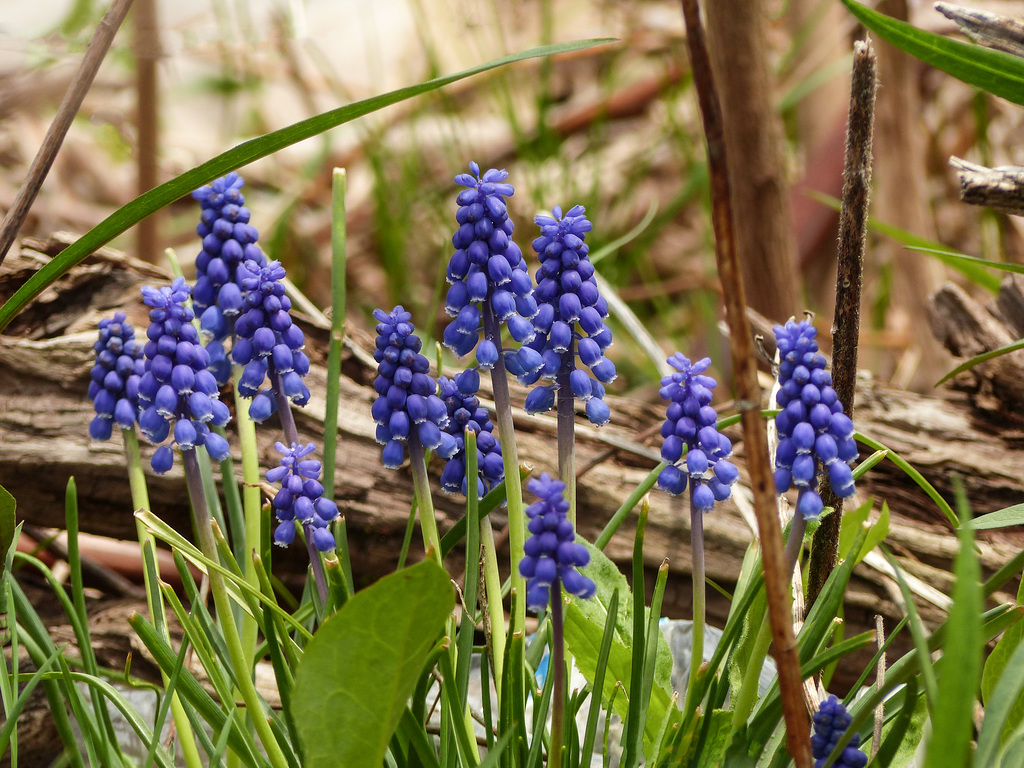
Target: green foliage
x=358, y=672
x=855, y=519
x=993, y=71
x=584, y=628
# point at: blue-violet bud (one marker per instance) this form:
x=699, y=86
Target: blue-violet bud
x=552, y=551
x=691, y=436
x=114, y=379
x=407, y=404
x=815, y=436
x=301, y=498
x=229, y=240
x=487, y=271
x=465, y=412
x=269, y=344
x=176, y=388
x=571, y=313
x=831, y=722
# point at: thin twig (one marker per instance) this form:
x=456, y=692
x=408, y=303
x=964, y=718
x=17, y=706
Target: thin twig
x=748, y=398
x=1001, y=33
x=853, y=218
x=876, y=734
x=147, y=104
x=94, y=56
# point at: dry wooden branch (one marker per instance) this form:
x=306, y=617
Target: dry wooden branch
x=986, y=28
x=1000, y=188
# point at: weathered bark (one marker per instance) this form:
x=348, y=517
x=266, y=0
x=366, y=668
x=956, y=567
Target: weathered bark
x=737, y=35
x=44, y=415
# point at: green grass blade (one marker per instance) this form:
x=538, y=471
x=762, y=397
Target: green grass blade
x=235, y=158
x=960, y=666
x=590, y=734
x=11, y=713
x=983, y=357
x=1001, y=518
x=993, y=71
x=628, y=506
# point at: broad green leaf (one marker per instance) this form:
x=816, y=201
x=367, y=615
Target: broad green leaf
x=1002, y=688
x=983, y=357
x=361, y=667
x=719, y=729
x=1001, y=518
x=584, y=628
x=902, y=734
x=960, y=666
x=994, y=71
x=7, y=521
x=235, y=158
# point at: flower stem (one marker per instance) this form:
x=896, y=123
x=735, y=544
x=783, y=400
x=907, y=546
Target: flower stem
x=224, y=615
x=510, y=458
x=425, y=502
x=317, y=565
x=495, y=626
x=795, y=542
x=154, y=600
x=557, y=668
x=567, y=429
x=284, y=411
x=252, y=507
x=697, y=554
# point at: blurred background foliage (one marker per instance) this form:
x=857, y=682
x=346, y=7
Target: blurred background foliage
x=613, y=128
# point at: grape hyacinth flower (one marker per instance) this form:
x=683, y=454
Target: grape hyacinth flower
x=570, y=318
x=114, y=379
x=177, y=388
x=551, y=552
x=814, y=433
x=268, y=344
x=831, y=722
x=301, y=498
x=407, y=403
x=229, y=240
x=465, y=412
x=691, y=432
x=488, y=274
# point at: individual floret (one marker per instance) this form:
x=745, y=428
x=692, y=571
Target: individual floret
x=465, y=412
x=814, y=434
x=570, y=317
x=229, y=240
x=301, y=498
x=114, y=379
x=407, y=403
x=691, y=434
x=268, y=344
x=831, y=722
x=552, y=551
x=487, y=273
x=177, y=389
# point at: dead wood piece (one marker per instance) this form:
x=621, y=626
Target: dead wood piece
x=1000, y=188
x=1001, y=33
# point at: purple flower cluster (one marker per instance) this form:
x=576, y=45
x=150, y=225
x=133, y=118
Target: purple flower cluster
x=407, y=403
x=813, y=430
x=552, y=552
x=269, y=345
x=691, y=431
x=114, y=379
x=177, y=387
x=465, y=412
x=487, y=266
x=567, y=299
x=229, y=240
x=301, y=498
x=830, y=724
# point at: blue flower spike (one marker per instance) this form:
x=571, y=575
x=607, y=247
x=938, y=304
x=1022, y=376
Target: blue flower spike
x=571, y=314
x=114, y=379
x=177, y=389
x=465, y=412
x=831, y=722
x=407, y=403
x=552, y=550
x=692, y=438
x=268, y=344
x=487, y=267
x=301, y=498
x=815, y=436
x=229, y=240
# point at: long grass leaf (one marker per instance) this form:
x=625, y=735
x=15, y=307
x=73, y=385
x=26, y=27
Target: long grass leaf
x=235, y=158
x=983, y=357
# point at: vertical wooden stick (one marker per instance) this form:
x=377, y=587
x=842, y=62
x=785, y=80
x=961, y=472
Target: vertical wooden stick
x=853, y=227
x=94, y=55
x=748, y=399
x=147, y=53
